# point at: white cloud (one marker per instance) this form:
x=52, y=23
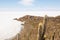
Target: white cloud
x=9, y=9
x=26, y=2
x=37, y=13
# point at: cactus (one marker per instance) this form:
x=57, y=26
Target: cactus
x=42, y=30
x=53, y=36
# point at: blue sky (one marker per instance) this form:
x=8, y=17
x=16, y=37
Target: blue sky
x=33, y=5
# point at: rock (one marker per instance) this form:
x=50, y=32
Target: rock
x=30, y=31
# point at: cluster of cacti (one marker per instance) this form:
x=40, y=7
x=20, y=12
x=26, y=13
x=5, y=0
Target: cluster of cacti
x=40, y=28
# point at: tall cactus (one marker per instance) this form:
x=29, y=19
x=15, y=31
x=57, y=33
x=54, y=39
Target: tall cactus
x=42, y=29
x=53, y=36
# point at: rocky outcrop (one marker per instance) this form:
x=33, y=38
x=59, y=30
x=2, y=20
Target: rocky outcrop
x=31, y=26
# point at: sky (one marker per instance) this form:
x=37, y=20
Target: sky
x=10, y=9
x=29, y=5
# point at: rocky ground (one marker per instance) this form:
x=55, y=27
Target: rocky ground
x=31, y=25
